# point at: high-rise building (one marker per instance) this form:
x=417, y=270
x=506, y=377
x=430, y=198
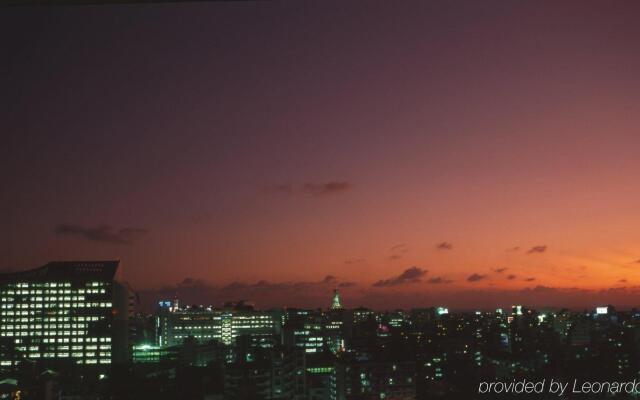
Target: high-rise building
x=73, y=312
x=333, y=324
x=307, y=336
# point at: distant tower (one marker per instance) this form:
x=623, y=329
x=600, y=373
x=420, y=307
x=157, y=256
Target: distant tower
x=175, y=305
x=335, y=302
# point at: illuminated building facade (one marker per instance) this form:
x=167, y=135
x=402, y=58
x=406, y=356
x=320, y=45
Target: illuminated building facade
x=307, y=336
x=147, y=353
x=362, y=314
x=206, y=324
x=64, y=311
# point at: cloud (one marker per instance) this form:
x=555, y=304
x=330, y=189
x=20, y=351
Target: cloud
x=410, y=275
x=637, y=261
x=314, y=294
x=444, y=246
x=397, y=251
x=511, y=277
x=320, y=189
x=264, y=293
x=266, y=286
x=355, y=261
x=513, y=249
x=330, y=279
x=622, y=281
x=102, y=233
x=537, y=249
x=500, y=270
x=192, y=283
x=476, y=277
x=436, y=280
x=530, y=279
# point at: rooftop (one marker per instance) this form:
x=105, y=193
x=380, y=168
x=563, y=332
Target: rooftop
x=64, y=270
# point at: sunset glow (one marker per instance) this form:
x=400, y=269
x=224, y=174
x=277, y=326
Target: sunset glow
x=406, y=154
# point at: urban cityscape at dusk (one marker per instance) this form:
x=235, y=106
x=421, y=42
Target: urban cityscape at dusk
x=318, y=200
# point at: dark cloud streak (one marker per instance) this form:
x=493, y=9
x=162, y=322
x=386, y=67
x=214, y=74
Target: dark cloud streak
x=102, y=233
x=537, y=249
x=476, y=277
x=437, y=280
x=410, y=275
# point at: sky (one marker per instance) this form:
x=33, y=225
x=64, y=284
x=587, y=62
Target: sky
x=407, y=153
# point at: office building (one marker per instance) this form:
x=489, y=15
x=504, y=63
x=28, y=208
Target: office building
x=204, y=324
x=73, y=312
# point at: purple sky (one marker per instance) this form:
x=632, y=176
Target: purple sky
x=233, y=143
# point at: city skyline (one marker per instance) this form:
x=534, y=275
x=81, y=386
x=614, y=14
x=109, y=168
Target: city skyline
x=414, y=154
x=75, y=328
